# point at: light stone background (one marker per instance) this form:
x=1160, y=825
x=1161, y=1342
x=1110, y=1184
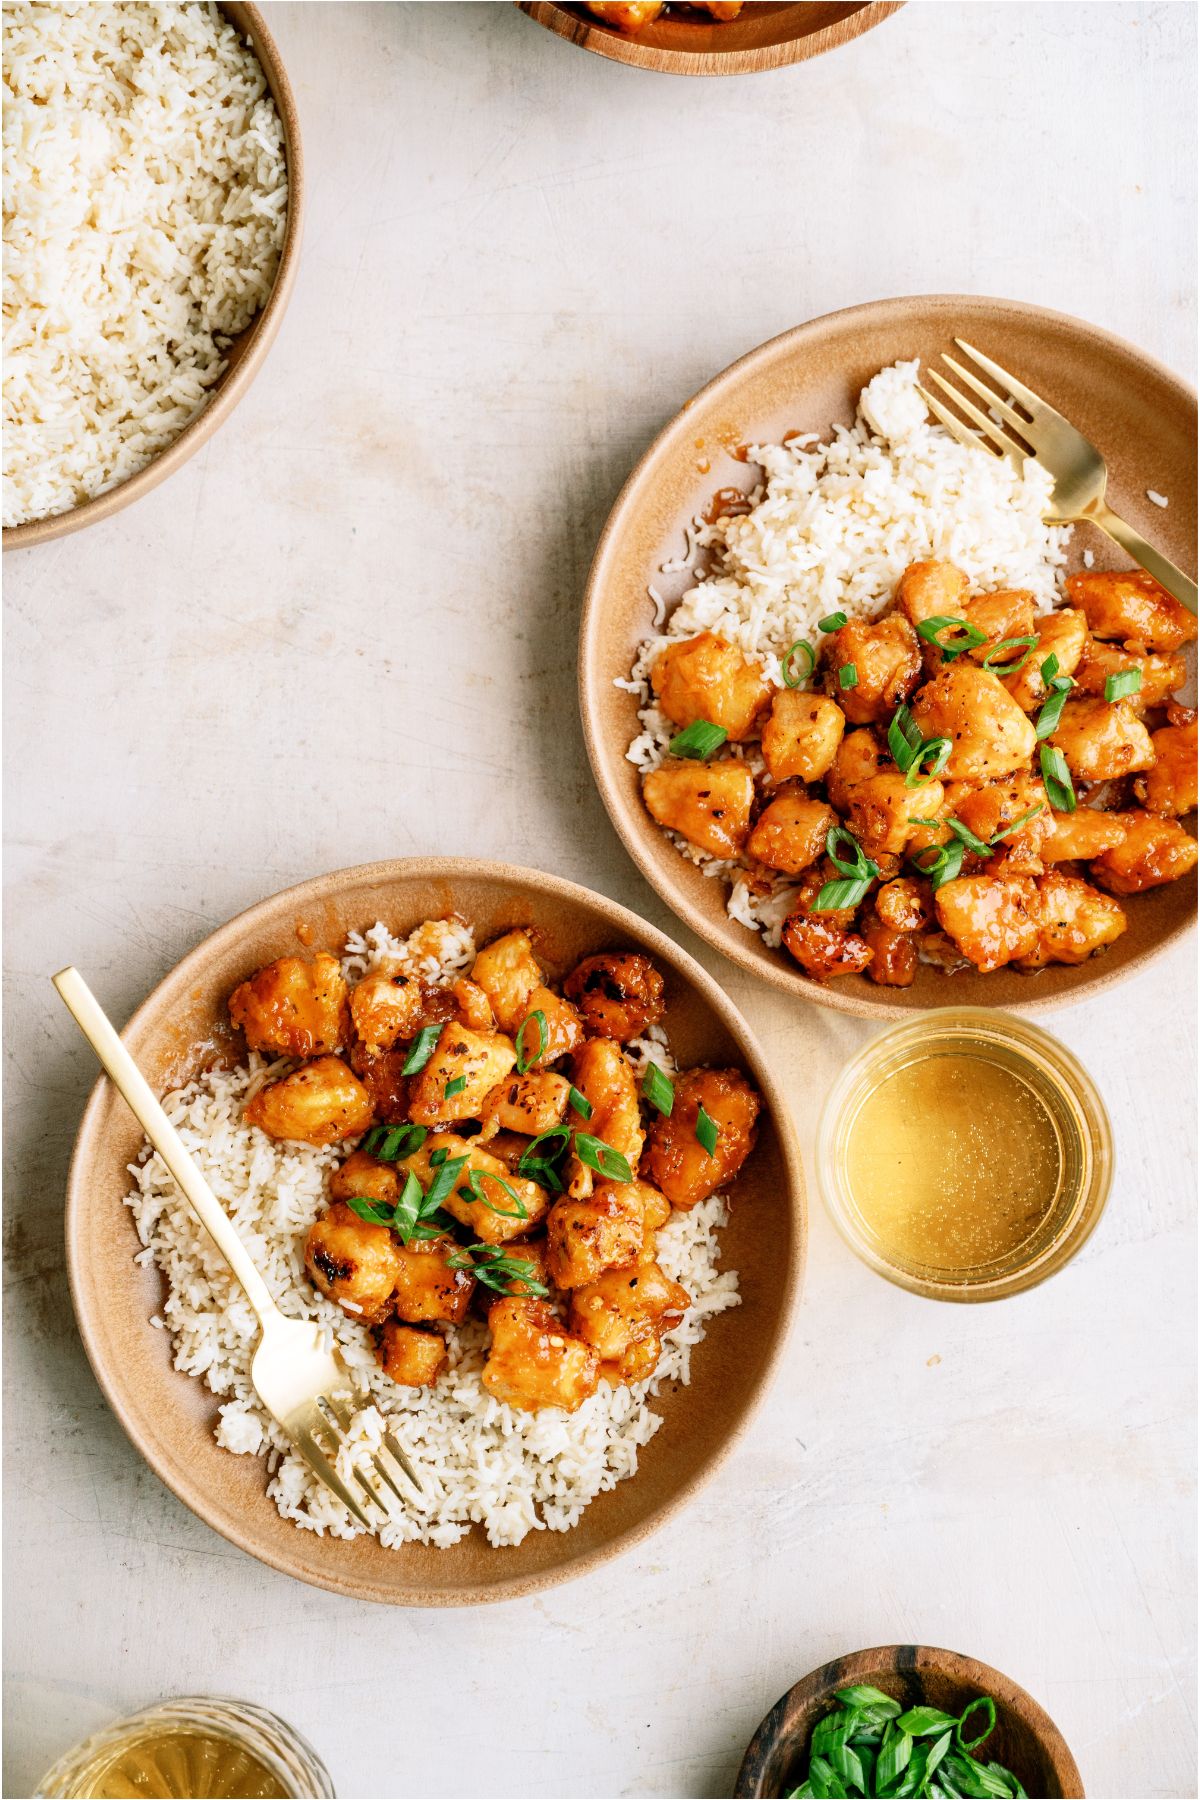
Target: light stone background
x=347, y=631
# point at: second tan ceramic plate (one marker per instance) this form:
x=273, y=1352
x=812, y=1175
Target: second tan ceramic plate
x=1140, y=415
x=183, y=1027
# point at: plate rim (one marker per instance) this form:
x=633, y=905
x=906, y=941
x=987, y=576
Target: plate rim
x=186, y=971
x=590, y=640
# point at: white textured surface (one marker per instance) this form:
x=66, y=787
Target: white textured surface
x=309, y=649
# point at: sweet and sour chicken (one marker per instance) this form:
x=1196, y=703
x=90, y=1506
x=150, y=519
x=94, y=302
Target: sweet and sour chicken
x=960, y=780
x=508, y=1153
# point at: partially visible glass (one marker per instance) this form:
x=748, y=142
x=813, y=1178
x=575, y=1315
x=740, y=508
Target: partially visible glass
x=191, y=1749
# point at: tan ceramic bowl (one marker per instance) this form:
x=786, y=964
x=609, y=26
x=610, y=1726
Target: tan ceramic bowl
x=1140, y=414
x=170, y=1417
x=1025, y=1739
x=246, y=353
x=763, y=36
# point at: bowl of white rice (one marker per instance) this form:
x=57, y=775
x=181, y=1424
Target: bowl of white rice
x=152, y=218
x=514, y=1501
x=801, y=482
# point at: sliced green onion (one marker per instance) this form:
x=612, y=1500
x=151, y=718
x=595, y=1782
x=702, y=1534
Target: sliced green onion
x=1127, y=682
x=1050, y=668
x=868, y=1696
x=989, y=1707
x=496, y=1268
x=421, y=1049
x=965, y=636
x=967, y=837
x=444, y=1180
x=409, y=1206
x=947, y=861
x=1017, y=823
x=940, y=749
x=454, y=1087
x=904, y=739
x=836, y=896
x=1057, y=779
x=847, y=676
x=438, y=1157
x=393, y=1143
x=1030, y=644
x=925, y=1721
x=861, y=866
x=1056, y=699
x=526, y=1059
x=699, y=740
x=375, y=1212
x=539, y=1157
x=579, y=1103
x=658, y=1090
x=831, y=622
x=602, y=1157
x=474, y=1191
x=787, y=666
x=707, y=1131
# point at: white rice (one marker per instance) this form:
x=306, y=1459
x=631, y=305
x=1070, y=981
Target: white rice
x=145, y=201
x=482, y=1462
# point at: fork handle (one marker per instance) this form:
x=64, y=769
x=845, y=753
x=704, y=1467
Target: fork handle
x=132, y=1085
x=1164, y=572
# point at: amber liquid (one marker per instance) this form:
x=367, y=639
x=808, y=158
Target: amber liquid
x=180, y=1765
x=955, y=1161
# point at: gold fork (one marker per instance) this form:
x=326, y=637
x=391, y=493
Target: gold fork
x=304, y=1385
x=1079, y=471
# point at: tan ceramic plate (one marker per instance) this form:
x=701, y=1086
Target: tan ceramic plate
x=1025, y=1739
x=169, y=1417
x=763, y=36
x=246, y=353
x=1140, y=414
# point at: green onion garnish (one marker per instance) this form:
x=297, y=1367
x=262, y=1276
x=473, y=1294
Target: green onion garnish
x=967, y=837
x=1017, y=823
x=1127, y=682
x=392, y=1143
x=1029, y=645
x=454, y=1087
x=989, y=1707
x=1050, y=668
x=831, y=622
x=658, y=1090
x=539, y=1157
x=963, y=636
x=526, y=1059
x=924, y=769
x=847, y=676
x=947, y=861
x=409, y=1206
x=699, y=740
x=1056, y=699
x=496, y=1268
x=787, y=666
x=438, y=1157
x=867, y=1746
x=859, y=863
x=835, y=896
x=707, y=1131
x=421, y=1049
x=602, y=1157
x=375, y=1212
x=444, y=1179
x=415, y=1214
x=579, y=1103
x=474, y=1191
x=904, y=739
x=1057, y=779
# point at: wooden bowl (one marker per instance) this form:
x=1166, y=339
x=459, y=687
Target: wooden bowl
x=1140, y=415
x=1026, y=1740
x=246, y=352
x=763, y=36
x=169, y=1417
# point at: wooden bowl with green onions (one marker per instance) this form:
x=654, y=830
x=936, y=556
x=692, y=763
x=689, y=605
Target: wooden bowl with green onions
x=906, y=1708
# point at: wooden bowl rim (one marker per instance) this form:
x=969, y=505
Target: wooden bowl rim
x=890, y=1659
x=190, y=969
x=617, y=46
x=738, y=944
x=259, y=335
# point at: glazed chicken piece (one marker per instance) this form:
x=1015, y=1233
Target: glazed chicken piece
x=1152, y=852
x=1063, y=634
x=533, y=1254
x=510, y=976
x=1073, y=921
x=1081, y=835
x=707, y=803
x=881, y=810
x=1132, y=608
x=354, y=1263
x=989, y=733
x=904, y=904
x=993, y=920
x=364, y=1177
x=886, y=657
x=617, y=994
x=427, y=1288
x=465, y=1067
x=676, y=1161
x=293, y=1007
x=988, y=811
x=624, y=1314
x=791, y=831
x=859, y=756
x=1007, y=613
x=893, y=953
x=410, y=1357
x=388, y=1008
x=534, y=1361
x=1102, y=739
x=929, y=589
x=625, y=15
x=1169, y=787
x=721, y=10
x=318, y=1103
x=474, y=1007
x=604, y=1077
x=800, y=738
x=824, y=944
x=706, y=678
x=385, y=1081
x=656, y=1210
x=493, y=1213
x=530, y=1103
x=585, y=1237
x=1161, y=676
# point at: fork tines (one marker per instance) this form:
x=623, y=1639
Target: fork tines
x=321, y=1427
x=1015, y=443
